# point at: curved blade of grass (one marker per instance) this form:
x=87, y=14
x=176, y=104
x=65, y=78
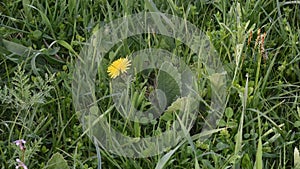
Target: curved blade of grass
x=266, y=77
x=46, y=20
x=162, y=162
x=98, y=153
x=189, y=138
x=269, y=119
x=69, y=47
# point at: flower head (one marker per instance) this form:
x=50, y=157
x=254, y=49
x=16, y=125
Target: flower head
x=117, y=67
x=20, y=143
x=20, y=164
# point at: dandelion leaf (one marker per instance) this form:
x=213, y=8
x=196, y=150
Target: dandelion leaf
x=169, y=82
x=57, y=161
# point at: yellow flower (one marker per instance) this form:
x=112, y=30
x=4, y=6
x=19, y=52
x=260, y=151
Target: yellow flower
x=117, y=67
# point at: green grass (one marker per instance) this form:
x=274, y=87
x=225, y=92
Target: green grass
x=40, y=42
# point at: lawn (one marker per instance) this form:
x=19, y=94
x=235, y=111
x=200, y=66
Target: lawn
x=149, y=84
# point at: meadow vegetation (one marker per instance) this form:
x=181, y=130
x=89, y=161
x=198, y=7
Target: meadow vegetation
x=258, y=43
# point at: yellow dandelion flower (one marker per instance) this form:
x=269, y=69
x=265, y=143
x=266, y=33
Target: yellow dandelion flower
x=117, y=67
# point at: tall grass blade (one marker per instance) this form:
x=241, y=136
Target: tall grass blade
x=239, y=135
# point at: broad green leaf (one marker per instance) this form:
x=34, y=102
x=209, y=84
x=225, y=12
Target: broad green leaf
x=297, y=123
x=167, y=116
x=169, y=82
x=15, y=48
x=181, y=103
x=36, y=35
x=296, y=158
x=228, y=112
x=57, y=161
x=246, y=162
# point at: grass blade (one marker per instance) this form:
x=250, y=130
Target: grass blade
x=259, y=152
x=239, y=135
x=296, y=158
x=163, y=161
